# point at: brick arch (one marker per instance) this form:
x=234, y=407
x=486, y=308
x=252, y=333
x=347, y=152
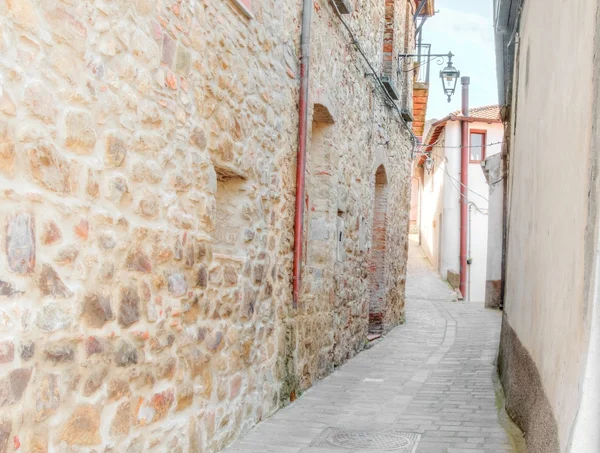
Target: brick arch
x=378, y=252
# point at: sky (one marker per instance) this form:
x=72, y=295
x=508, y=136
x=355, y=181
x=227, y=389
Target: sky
x=465, y=28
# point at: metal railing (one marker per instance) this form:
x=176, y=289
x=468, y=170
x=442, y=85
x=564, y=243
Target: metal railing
x=421, y=63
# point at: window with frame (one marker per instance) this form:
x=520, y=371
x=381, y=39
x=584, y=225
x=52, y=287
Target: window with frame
x=477, y=146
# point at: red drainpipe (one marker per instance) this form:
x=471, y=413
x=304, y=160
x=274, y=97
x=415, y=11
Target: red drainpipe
x=464, y=181
x=302, y=134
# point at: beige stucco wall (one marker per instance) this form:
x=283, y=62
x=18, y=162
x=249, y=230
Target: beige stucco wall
x=493, y=169
x=147, y=183
x=547, y=266
x=415, y=189
x=441, y=201
x=432, y=204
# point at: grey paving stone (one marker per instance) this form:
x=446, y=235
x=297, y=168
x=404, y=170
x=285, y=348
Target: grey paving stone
x=431, y=376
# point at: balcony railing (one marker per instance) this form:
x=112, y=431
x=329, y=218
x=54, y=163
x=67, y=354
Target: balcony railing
x=421, y=63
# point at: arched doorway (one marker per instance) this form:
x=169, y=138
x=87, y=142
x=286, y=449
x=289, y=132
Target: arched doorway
x=378, y=252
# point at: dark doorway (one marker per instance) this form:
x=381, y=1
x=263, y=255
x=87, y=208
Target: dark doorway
x=378, y=252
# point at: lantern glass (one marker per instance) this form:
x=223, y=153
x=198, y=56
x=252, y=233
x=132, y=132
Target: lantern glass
x=449, y=76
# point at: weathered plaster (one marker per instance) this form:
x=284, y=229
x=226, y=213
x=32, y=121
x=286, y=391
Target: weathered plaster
x=548, y=259
x=492, y=168
x=147, y=178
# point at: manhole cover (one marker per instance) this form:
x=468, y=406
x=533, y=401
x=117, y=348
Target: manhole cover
x=368, y=440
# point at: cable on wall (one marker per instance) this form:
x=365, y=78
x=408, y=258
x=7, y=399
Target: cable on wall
x=465, y=197
x=452, y=177
x=435, y=145
x=356, y=44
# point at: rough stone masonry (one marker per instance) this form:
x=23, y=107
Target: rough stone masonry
x=147, y=183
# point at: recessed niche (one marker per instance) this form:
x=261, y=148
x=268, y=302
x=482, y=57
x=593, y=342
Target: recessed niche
x=227, y=172
x=232, y=218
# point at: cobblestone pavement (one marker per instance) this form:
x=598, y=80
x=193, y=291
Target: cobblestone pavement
x=425, y=388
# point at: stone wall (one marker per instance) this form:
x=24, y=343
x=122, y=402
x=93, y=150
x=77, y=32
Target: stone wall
x=147, y=176
x=343, y=158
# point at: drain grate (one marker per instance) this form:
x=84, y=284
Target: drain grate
x=375, y=441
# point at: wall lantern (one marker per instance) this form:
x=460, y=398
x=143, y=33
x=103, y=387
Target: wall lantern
x=449, y=76
x=428, y=164
x=420, y=64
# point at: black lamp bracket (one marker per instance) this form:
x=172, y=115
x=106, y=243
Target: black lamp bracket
x=438, y=57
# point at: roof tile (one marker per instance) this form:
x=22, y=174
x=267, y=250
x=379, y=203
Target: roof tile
x=491, y=112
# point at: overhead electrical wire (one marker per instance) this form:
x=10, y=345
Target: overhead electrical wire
x=414, y=139
x=461, y=194
x=435, y=145
x=469, y=189
x=356, y=44
x=453, y=178
x=472, y=203
x=477, y=208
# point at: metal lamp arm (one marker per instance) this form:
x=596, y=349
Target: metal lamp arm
x=430, y=57
x=433, y=55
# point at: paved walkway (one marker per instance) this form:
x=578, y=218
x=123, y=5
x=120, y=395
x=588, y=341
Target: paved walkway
x=425, y=388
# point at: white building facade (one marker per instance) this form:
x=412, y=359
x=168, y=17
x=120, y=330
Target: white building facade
x=439, y=182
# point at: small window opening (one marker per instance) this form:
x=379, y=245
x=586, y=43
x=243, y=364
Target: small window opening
x=477, y=146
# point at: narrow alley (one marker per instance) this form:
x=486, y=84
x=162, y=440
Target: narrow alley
x=206, y=209
x=427, y=387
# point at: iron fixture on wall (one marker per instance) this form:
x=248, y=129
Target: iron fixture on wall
x=429, y=164
x=449, y=75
